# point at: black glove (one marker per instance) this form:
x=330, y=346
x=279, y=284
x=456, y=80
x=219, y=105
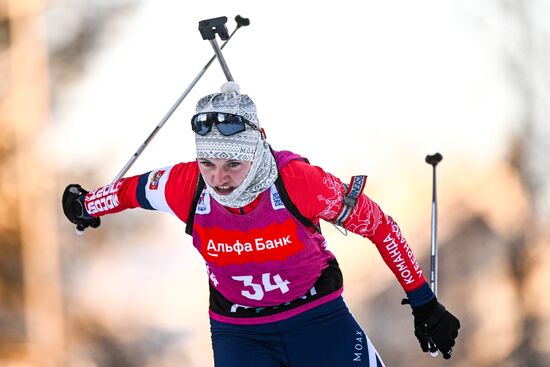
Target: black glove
x=435, y=328
x=74, y=209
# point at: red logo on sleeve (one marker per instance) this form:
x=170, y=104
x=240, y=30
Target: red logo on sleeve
x=154, y=184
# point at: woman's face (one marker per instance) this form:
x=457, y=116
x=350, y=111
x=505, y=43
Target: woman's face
x=223, y=175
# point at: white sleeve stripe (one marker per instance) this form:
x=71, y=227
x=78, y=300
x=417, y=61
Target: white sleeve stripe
x=154, y=190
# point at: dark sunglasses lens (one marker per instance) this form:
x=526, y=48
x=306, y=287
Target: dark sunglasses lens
x=230, y=124
x=201, y=125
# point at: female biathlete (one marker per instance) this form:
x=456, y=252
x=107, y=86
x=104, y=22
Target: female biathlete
x=254, y=213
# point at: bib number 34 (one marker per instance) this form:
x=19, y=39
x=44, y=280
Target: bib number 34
x=258, y=290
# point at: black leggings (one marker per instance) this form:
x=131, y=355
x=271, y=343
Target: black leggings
x=326, y=336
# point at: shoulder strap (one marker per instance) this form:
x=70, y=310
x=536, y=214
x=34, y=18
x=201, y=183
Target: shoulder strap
x=279, y=184
x=191, y=218
x=291, y=207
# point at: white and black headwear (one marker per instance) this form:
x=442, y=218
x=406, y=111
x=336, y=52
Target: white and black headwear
x=248, y=145
x=240, y=146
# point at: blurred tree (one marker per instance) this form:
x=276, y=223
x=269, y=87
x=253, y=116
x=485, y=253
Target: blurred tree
x=527, y=56
x=12, y=321
x=29, y=181
x=31, y=315
x=12, y=327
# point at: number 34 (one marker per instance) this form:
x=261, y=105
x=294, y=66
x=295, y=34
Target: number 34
x=257, y=290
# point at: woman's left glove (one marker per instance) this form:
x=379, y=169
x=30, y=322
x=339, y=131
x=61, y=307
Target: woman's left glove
x=435, y=328
x=74, y=209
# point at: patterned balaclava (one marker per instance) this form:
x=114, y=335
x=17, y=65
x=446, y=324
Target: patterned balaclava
x=248, y=145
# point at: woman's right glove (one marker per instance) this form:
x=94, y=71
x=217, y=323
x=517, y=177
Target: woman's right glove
x=435, y=328
x=74, y=209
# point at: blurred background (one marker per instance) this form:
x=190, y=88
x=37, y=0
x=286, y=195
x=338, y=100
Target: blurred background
x=358, y=87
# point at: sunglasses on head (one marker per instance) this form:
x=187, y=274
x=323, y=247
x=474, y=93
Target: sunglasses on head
x=227, y=123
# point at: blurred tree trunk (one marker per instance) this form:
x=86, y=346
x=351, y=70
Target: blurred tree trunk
x=529, y=61
x=27, y=108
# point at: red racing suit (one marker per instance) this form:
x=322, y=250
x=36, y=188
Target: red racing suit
x=316, y=194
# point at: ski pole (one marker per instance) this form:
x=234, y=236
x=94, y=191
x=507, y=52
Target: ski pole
x=209, y=28
x=241, y=22
x=433, y=160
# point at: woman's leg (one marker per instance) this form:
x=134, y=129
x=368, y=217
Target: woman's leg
x=327, y=336
x=246, y=345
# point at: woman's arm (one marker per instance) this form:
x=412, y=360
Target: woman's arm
x=318, y=195
x=168, y=189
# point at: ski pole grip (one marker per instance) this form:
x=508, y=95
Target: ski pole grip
x=209, y=28
x=434, y=159
x=242, y=22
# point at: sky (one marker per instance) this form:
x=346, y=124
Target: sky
x=358, y=87
x=343, y=85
